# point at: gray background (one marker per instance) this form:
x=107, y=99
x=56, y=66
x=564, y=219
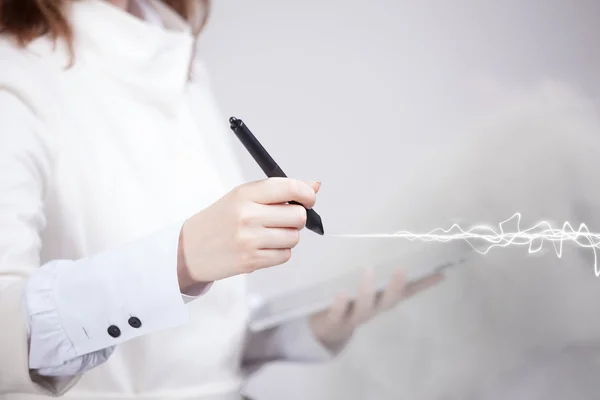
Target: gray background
x=354, y=93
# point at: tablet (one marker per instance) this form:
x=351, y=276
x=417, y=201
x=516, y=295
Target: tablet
x=418, y=260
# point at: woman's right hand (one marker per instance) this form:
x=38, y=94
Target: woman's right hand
x=249, y=228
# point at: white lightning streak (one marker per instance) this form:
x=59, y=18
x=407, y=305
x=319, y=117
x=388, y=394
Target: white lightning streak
x=539, y=233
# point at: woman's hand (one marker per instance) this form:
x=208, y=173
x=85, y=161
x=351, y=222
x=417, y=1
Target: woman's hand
x=335, y=326
x=249, y=228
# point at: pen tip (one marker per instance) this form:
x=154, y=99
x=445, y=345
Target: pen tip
x=234, y=122
x=319, y=230
x=314, y=223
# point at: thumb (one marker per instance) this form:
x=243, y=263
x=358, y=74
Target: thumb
x=316, y=186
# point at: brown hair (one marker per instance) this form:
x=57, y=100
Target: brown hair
x=26, y=20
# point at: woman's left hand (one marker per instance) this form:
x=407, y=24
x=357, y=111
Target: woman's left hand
x=335, y=326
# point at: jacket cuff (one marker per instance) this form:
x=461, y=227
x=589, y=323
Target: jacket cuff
x=198, y=291
x=80, y=307
x=15, y=376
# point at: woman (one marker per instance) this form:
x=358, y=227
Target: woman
x=125, y=229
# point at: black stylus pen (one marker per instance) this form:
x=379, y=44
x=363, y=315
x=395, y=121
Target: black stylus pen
x=270, y=167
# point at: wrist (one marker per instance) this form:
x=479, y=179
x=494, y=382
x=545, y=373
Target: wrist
x=184, y=277
x=188, y=284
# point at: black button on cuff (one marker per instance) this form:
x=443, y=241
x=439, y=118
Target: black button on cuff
x=114, y=331
x=135, y=322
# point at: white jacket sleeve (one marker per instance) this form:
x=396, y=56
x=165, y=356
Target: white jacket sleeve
x=72, y=312
x=78, y=310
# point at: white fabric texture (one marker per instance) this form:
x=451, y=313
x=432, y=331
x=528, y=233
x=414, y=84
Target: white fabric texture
x=99, y=166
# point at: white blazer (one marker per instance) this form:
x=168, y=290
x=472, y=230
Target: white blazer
x=99, y=166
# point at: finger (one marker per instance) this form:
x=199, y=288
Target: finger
x=422, y=284
x=267, y=258
x=281, y=190
x=316, y=186
x=364, y=305
x=339, y=309
x=281, y=216
x=278, y=238
x=393, y=292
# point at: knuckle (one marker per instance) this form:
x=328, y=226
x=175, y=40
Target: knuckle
x=302, y=216
x=248, y=263
x=240, y=191
x=295, y=238
x=292, y=187
x=249, y=268
x=245, y=215
x=286, y=255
